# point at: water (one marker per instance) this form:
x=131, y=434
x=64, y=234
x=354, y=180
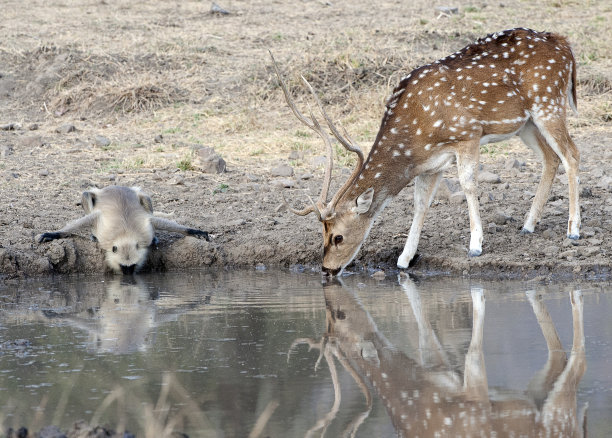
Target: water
x=230, y=354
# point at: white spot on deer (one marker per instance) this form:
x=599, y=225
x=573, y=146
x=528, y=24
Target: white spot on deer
x=393, y=131
x=377, y=175
x=401, y=145
x=551, y=61
x=535, y=87
x=418, y=131
x=396, y=154
x=437, y=123
x=407, y=152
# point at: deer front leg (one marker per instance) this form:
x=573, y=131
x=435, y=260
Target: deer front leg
x=173, y=227
x=467, y=167
x=70, y=228
x=475, y=375
x=425, y=186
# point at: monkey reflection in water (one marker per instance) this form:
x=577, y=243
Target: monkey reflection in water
x=425, y=397
x=122, y=222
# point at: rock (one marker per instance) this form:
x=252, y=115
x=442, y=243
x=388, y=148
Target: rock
x=447, y=188
x=492, y=227
x=158, y=138
x=33, y=127
x=10, y=127
x=6, y=150
x=448, y=10
x=586, y=192
x=569, y=254
x=488, y=177
x=549, y=234
x=31, y=142
x=286, y=183
x=65, y=129
x=209, y=161
x=318, y=161
x=296, y=155
x=589, y=251
x=43, y=172
x=306, y=176
x=251, y=177
x=605, y=182
x=513, y=163
x=282, y=170
x=260, y=267
x=218, y=10
x=101, y=141
x=457, y=198
x=177, y=181
x=51, y=432
x=236, y=223
x=501, y=218
x=379, y=275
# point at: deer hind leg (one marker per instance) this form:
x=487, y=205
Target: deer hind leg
x=560, y=408
x=467, y=167
x=532, y=137
x=425, y=186
x=556, y=135
x=542, y=382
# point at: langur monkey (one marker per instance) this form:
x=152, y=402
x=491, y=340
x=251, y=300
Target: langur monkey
x=122, y=222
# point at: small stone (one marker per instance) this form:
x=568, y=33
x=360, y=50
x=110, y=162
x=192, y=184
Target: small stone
x=448, y=10
x=605, y=182
x=283, y=183
x=177, y=180
x=65, y=129
x=236, y=223
x=457, y=198
x=51, y=432
x=512, y=163
x=260, y=267
x=33, y=127
x=218, y=10
x=318, y=161
x=101, y=141
x=447, y=188
x=6, y=150
x=158, y=138
x=488, y=177
x=209, y=161
x=43, y=172
x=569, y=254
x=296, y=155
x=595, y=242
x=586, y=192
x=589, y=251
x=10, y=127
x=379, y=275
x=306, y=176
x=31, y=142
x=492, y=228
x=549, y=234
x=282, y=170
x=251, y=177
x=501, y=218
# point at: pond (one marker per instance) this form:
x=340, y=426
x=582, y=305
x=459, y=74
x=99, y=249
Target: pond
x=268, y=353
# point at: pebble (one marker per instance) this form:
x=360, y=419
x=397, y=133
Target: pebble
x=448, y=10
x=10, y=127
x=209, y=161
x=6, y=151
x=457, y=197
x=30, y=142
x=283, y=183
x=44, y=172
x=65, y=129
x=33, y=127
x=501, y=218
x=492, y=227
x=218, y=10
x=488, y=177
x=306, y=176
x=101, y=141
x=158, y=138
x=318, y=161
x=513, y=163
x=282, y=170
x=569, y=254
x=379, y=275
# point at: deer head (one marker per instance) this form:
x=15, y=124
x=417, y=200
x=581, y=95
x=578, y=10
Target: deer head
x=515, y=82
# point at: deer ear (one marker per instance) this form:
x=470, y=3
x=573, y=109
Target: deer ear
x=146, y=202
x=364, y=201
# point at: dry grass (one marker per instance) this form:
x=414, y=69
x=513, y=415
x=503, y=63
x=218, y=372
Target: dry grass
x=147, y=68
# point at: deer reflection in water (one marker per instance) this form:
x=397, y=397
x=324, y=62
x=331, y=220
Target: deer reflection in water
x=425, y=397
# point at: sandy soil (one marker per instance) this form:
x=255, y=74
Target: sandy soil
x=117, y=92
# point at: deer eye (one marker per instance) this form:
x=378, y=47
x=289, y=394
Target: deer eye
x=114, y=249
x=338, y=239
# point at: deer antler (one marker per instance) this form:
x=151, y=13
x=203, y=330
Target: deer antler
x=321, y=207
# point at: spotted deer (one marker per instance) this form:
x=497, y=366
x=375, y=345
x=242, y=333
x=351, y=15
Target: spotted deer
x=425, y=395
x=514, y=82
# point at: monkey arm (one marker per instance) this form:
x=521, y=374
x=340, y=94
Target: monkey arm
x=160, y=223
x=70, y=228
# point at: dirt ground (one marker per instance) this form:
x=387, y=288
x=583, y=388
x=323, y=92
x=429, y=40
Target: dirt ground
x=120, y=92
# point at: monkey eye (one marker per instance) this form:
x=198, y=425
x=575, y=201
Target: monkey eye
x=114, y=249
x=338, y=239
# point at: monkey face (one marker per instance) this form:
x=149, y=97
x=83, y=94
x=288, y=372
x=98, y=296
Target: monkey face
x=126, y=254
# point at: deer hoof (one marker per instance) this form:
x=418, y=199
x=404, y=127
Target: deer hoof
x=525, y=231
x=474, y=252
x=573, y=236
